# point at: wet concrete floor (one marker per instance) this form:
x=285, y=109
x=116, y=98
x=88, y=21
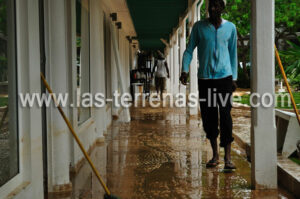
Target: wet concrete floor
x=161, y=154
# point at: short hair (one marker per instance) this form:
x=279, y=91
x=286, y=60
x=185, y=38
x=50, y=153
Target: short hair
x=223, y=2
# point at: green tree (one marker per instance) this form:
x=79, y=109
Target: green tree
x=287, y=21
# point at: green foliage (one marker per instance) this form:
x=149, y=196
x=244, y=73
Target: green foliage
x=3, y=101
x=287, y=14
x=291, y=58
x=295, y=82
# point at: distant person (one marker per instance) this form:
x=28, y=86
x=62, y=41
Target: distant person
x=162, y=72
x=142, y=60
x=216, y=40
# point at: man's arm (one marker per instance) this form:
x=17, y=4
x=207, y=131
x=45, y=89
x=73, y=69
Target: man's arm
x=188, y=53
x=167, y=68
x=232, y=47
x=155, y=65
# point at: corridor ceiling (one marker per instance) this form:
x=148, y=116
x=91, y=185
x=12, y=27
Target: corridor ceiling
x=155, y=19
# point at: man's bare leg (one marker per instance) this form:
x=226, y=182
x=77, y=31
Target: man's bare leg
x=157, y=92
x=214, y=147
x=227, y=158
x=215, y=160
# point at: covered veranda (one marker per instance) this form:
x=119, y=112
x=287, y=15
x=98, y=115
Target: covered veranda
x=141, y=152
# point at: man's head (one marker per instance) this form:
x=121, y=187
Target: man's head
x=216, y=8
x=160, y=56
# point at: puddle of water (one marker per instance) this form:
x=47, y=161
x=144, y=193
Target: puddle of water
x=161, y=154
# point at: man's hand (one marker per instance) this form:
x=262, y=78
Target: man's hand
x=234, y=86
x=183, y=78
x=168, y=76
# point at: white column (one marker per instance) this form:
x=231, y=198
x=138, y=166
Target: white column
x=176, y=64
x=114, y=77
x=30, y=132
x=263, y=131
x=97, y=64
x=120, y=73
x=182, y=49
x=171, y=65
x=167, y=55
x=58, y=76
x=194, y=65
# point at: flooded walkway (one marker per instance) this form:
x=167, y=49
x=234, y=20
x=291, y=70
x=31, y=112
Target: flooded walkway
x=161, y=154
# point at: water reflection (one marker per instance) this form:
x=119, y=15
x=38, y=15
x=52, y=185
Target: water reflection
x=85, y=183
x=162, y=154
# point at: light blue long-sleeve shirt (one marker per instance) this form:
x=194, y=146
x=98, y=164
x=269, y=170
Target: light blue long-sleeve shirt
x=217, y=50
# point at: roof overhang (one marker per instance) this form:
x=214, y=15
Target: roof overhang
x=154, y=20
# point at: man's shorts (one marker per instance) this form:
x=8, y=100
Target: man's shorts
x=160, y=83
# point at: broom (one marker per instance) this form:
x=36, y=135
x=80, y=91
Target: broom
x=108, y=194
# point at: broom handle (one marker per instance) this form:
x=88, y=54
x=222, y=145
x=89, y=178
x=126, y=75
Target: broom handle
x=287, y=83
x=75, y=136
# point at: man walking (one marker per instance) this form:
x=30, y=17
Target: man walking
x=216, y=40
x=162, y=71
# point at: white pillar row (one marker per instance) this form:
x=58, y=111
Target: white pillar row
x=194, y=64
x=175, y=64
x=57, y=74
x=263, y=130
x=182, y=39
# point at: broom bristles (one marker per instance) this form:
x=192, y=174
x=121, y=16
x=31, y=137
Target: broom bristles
x=111, y=197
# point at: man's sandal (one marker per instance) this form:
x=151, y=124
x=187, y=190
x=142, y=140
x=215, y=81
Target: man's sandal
x=212, y=163
x=229, y=166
